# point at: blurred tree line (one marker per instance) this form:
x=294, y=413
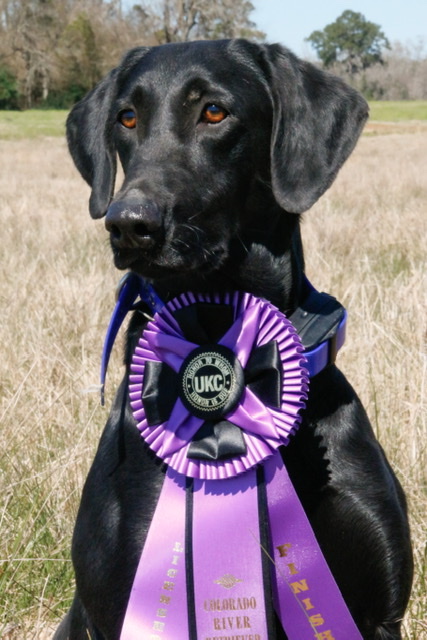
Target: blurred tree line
x=359, y=51
x=52, y=52
x=402, y=75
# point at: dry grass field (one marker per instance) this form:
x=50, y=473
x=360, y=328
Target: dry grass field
x=365, y=243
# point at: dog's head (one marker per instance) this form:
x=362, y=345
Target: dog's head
x=218, y=140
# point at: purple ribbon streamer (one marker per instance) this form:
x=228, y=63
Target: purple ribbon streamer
x=157, y=604
x=306, y=597
x=227, y=558
x=227, y=565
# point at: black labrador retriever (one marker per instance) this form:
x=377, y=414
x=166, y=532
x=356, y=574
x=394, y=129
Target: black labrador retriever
x=223, y=144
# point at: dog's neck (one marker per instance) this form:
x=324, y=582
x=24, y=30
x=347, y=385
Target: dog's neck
x=267, y=262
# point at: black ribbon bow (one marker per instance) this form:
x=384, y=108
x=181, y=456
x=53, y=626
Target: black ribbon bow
x=217, y=439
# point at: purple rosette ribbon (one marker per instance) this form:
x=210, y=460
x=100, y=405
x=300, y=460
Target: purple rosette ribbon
x=217, y=384
x=213, y=406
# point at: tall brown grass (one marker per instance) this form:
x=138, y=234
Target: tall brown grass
x=365, y=243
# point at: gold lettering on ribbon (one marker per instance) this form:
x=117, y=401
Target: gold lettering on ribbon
x=236, y=627
x=250, y=636
x=307, y=604
x=302, y=586
x=230, y=604
x=246, y=623
x=299, y=586
x=316, y=620
x=283, y=549
x=168, y=585
x=230, y=623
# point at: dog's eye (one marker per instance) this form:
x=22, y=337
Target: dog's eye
x=212, y=114
x=128, y=119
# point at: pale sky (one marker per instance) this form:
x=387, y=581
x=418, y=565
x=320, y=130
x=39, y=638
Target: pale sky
x=290, y=21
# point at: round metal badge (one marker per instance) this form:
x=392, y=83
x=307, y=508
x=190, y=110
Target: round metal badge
x=211, y=381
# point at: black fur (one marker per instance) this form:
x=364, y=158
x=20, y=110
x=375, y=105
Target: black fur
x=213, y=207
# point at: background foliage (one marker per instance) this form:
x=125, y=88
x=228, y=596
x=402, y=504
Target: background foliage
x=359, y=51
x=352, y=41
x=52, y=53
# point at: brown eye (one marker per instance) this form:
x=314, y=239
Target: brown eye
x=128, y=119
x=212, y=114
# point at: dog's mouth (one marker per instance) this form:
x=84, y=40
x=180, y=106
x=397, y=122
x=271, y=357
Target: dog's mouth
x=170, y=260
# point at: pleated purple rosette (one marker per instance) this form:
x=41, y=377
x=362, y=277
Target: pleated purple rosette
x=265, y=428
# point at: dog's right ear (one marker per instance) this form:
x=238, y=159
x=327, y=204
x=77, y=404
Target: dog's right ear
x=317, y=121
x=90, y=143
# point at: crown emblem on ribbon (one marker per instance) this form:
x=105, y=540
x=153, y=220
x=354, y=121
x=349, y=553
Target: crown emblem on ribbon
x=228, y=581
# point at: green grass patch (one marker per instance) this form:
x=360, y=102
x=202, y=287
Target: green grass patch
x=398, y=110
x=38, y=123
x=34, y=123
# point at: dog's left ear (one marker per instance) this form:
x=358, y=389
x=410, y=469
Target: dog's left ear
x=317, y=121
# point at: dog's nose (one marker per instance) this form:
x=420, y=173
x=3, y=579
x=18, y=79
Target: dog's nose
x=133, y=225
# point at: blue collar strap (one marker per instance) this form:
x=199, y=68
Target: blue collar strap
x=320, y=322
x=131, y=290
